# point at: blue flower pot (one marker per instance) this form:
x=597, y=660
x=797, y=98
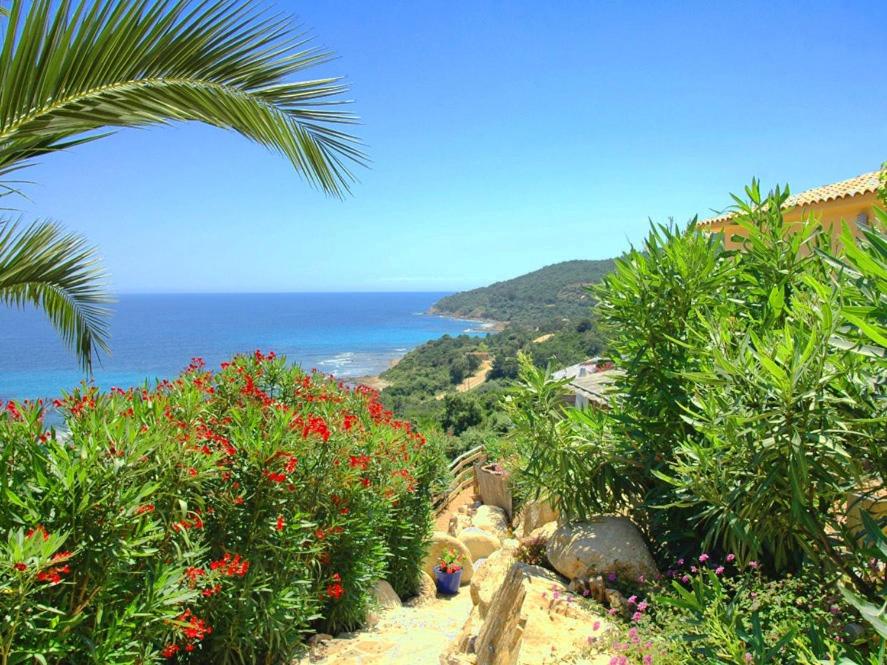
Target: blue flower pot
x=448, y=583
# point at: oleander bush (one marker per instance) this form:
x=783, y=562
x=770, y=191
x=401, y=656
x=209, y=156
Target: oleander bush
x=217, y=518
x=749, y=412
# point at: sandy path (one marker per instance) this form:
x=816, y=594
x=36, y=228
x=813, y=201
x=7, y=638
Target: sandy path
x=403, y=636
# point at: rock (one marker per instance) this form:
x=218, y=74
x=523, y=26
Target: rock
x=545, y=532
x=510, y=544
x=385, y=595
x=458, y=522
x=532, y=620
x=318, y=638
x=491, y=519
x=463, y=646
x=480, y=543
x=602, y=545
x=426, y=592
x=442, y=542
x=532, y=515
x=591, y=587
x=487, y=580
x=617, y=602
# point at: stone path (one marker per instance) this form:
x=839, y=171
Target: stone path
x=403, y=636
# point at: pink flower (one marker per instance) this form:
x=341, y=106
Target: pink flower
x=703, y=557
x=637, y=616
x=685, y=579
x=731, y=558
x=642, y=606
x=754, y=565
x=748, y=657
x=612, y=611
x=596, y=626
x=648, y=660
x=632, y=600
x=719, y=570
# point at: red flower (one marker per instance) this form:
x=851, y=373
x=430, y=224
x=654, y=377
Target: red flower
x=280, y=523
x=212, y=590
x=21, y=567
x=319, y=534
x=195, y=628
x=145, y=508
x=192, y=574
x=231, y=566
x=335, y=590
x=53, y=575
x=39, y=529
x=362, y=461
x=169, y=650
x=275, y=477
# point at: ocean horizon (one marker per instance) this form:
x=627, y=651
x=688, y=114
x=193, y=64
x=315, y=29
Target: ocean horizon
x=155, y=335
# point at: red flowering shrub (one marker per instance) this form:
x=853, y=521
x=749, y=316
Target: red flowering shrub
x=215, y=518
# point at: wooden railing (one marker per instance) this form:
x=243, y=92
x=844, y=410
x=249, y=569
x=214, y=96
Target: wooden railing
x=462, y=469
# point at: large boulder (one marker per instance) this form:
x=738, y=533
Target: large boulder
x=442, y=542
x=533, y=619
x=426, y=592
x=480, y=543
x=491, y=519
x=488, y=579
x=602, y=545
x=533, y=515
x=385, y=596
x=458, y=522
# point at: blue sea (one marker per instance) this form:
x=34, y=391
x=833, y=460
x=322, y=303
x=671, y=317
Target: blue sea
x=155, y=336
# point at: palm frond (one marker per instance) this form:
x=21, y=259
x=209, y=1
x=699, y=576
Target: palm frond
x=58, y=273
x=68, y=69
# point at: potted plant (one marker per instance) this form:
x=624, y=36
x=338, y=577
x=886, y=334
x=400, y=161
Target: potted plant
x=448, y=572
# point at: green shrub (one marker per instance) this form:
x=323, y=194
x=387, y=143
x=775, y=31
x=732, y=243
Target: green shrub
x=216, y=518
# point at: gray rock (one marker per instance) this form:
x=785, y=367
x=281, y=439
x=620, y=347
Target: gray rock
x=602, y=545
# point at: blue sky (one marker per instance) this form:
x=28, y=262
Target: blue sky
x=504, y=136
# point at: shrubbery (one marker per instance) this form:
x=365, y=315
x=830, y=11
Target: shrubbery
x=749, y=410
x=216, y=518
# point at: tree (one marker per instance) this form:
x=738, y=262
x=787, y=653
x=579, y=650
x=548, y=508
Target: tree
x=69, y=70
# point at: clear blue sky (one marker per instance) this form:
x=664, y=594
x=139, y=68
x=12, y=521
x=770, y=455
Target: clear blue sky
x=504, y=136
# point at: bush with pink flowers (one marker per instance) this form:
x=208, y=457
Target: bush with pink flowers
x=217, y=518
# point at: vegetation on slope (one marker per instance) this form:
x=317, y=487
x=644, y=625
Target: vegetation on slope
x=542, y=298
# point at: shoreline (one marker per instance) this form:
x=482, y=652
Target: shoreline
x=491, y=324
x=375, y=381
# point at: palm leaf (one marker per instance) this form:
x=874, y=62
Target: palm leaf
x=57, y=272
x=69, y=69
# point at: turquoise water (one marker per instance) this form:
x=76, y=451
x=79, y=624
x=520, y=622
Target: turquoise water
x=155, y=336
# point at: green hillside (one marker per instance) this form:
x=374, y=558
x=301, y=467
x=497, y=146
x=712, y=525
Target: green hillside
x=542, y=298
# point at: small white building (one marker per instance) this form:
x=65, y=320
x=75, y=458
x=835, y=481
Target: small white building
x=589, y=381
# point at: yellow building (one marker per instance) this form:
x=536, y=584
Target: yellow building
x=852, y=201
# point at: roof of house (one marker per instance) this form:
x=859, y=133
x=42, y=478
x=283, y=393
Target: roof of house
x=573, y=370
x=594, y=385
x=861, y=184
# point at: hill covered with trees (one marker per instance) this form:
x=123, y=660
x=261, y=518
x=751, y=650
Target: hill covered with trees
x=540, y=299
x=548, y=315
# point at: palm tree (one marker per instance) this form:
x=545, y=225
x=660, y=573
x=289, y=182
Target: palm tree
x=70, y=72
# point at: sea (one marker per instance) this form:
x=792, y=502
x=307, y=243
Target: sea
x=155, y=336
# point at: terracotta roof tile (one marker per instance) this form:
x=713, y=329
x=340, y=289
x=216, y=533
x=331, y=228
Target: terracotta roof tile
x=861, y=184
